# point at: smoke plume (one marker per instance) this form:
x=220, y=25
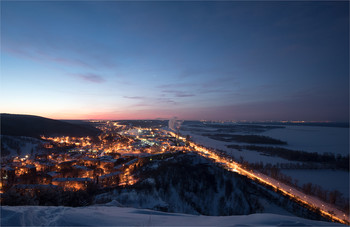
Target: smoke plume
x=175, y=124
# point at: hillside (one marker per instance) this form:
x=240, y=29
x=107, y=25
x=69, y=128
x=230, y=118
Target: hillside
x=117, y=216
x=185, y=183
x=34, y=126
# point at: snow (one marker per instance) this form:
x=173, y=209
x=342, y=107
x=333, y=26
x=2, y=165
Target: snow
x=110, y=175
x=306, y=138
x=71, y=179
x=25, y=144
x=53, y=173
x=313, y=139
x=119, y=216
x=254, y=156
x=327, y=179
x=248, y=155
x=81, y=167
x=33, y=186
x=133, y=199
x=273, y=208
x=150, y=181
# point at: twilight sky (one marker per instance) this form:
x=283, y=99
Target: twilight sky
x=194, y=60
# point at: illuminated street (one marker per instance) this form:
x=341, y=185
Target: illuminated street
x=327, y=210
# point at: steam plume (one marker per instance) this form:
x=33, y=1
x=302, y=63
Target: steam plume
x=175, y=124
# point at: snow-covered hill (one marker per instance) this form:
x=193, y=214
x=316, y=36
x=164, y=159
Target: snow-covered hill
x=20, y=146
x=188, y=183
x=117, y=216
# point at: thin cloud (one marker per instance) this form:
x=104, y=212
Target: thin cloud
x=53, y=53
x=175, y=85
x=178, y=94
x=92, y=78
x=40, y=56
x=166, y=100
x=69, y=62
x=133, y=97
x=207, y=91
x=184, y=95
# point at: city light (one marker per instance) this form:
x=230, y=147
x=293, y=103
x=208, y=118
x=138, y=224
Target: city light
x=75, y=162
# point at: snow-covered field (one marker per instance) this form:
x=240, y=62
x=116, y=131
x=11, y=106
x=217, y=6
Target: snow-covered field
x=118, y=216
x=19, y=145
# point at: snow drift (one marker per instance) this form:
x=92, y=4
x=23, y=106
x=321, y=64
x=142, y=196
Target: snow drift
x=117, y=216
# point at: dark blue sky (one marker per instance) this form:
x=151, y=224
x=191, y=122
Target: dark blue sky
x=194, y=60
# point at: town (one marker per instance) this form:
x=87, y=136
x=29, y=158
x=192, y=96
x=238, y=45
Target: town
x=77, y=164
x=74, y=163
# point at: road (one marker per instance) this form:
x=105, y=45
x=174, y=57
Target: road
x=327, y=210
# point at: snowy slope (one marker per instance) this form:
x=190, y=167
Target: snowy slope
x=117, y=216
x=187, y=183
x=18, y=145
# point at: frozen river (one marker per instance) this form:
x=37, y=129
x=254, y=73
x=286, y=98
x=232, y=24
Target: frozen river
x=313, y=139
x=306, y=138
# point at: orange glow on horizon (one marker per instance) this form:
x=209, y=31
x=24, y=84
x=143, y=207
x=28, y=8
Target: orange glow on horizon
x=110, y=116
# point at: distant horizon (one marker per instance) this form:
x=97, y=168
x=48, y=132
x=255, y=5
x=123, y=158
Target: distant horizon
x=166, y=119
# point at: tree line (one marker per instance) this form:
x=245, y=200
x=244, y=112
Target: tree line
x=327, y=159
x=333, y=197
